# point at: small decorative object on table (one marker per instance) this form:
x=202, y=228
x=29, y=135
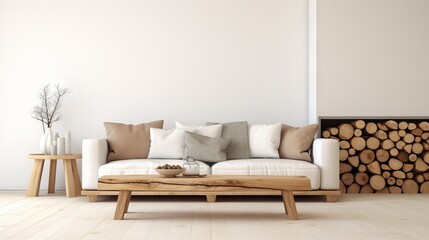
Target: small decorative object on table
x=47, y=112
x=168, y=170
x=67, y=136
x=191, y=168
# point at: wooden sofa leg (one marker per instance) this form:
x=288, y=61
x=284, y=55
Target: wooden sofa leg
x=92, y=198
x=331, y=198
x=211, y=198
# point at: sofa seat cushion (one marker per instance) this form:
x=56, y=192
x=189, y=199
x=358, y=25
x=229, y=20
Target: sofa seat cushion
x=272, y=167
x=142, y=166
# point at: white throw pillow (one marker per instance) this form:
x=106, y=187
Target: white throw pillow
x=214, y=131
x=167, y=143
x=264, y=140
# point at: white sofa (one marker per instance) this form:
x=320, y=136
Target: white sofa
x=323, y=172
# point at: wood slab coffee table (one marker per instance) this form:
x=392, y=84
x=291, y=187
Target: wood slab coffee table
x=126, y=184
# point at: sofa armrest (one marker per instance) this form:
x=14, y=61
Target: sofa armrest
x=326, y=157
x=94, y=154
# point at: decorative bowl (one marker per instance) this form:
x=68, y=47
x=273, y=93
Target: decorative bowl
x=169, y=172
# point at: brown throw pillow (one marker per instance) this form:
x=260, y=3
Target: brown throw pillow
x=127, y=141
x=295, y=142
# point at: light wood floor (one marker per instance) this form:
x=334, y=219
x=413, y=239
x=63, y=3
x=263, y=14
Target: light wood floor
x=249, y=217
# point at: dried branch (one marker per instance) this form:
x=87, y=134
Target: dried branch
x=48, y=110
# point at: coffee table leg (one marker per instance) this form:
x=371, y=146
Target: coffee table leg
x=122, y=204
x=128, y=203
x=36, y=176
x=289, y=202
x=52, y=175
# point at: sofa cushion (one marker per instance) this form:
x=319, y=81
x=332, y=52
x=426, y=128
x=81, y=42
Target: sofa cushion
x=273, y=167
x=205, y=148
x=238, y=133
x=296, y=142
x=264, y=140
x=127, y=141
x=142, y=166
x=214, y=131
x=167, y=143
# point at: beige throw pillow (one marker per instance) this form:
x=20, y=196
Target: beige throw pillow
x=127, y=141
x=296, y=142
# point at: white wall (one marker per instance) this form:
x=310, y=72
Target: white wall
x=137, y=61
x=372, y=57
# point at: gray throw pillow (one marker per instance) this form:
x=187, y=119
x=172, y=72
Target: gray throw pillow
x=237, y=132
x=205, y=148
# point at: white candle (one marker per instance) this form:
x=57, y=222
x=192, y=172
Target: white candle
x=61, y=145
x=68, y=142
x=53, y=149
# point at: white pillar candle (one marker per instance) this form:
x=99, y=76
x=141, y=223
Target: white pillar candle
x=61, y=145
x=68, y=142
x=54, y=149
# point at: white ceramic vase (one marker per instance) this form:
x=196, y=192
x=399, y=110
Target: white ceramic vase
x=46, y=141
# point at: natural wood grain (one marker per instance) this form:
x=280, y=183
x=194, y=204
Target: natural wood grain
x=371, y=128
x=367, y=156
x=344, y=144
x=412, y=126
x=354, y=161
x=331, y=198
x=36, y=176
x=382, y=155
x=210, y=183
x=424, y=188
x=202, y=193
x=76, y=177
x=344, y=167
x=374, y=167
x=382, y=126
x=391, y=124
x=92, y=198
x=403, y=125
x=347, y=178
x=358, y=143
x=373, y=143
x=361, y=178
x=394, y=136
x=377, y=182
x=69, y=178
x=410, y=186
x=65, y=156
x=345, y=131
x=355, y=217
x=211, y=198
x=353, y=188
x=395, y=164
x=72, y=179
x=344, y=154
x=125, y=184
x=359, y=124
x=122, y=205
x=421, y=166
x=326, y=134
x=357, y=132
x=52, y=175
x=366, y=189
x=380, y=134
x=289, y=201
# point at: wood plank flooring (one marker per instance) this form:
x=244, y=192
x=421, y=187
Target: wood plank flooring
x=365, y=216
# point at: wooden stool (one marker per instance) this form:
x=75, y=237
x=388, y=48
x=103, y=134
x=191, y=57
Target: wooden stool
x=73, y=186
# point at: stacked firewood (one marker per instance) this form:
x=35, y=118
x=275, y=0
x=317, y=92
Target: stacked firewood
x=387, y=157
